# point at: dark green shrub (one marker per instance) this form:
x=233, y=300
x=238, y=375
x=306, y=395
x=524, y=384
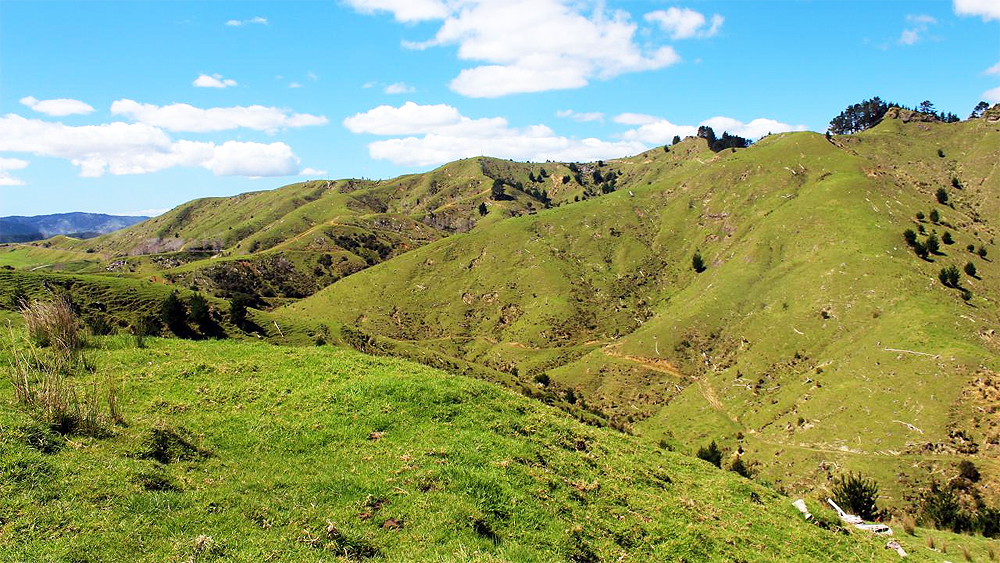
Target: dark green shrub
x=741, y=469
x=543, y=378
x=920, y=215
x=920, y=249
x=949, y=276
x=697, y=263
x=858, y=495
x=981, y=252
x=173, y=313
x=942, y=196
x=941, y=508
x=199, y=309
x=483, y=210
x=968, y=471
x=932, y=244
x=970, y=269
x=971, y=247
x=941, y=153
x=946, y=238
x=711, y=454
x=934, y=216
x=910, y=237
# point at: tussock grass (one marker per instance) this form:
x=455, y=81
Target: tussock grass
x=53, y=323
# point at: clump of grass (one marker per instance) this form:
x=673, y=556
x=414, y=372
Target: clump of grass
x=909, y=524
x=991, y=551
x=965, y=553
x=53, y=323
x=42, y=386
x=930, y=542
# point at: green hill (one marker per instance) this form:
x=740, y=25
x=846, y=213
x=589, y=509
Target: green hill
x=816, y=339
x=234, y=451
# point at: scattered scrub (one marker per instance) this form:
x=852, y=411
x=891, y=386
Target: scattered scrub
x=857, y=495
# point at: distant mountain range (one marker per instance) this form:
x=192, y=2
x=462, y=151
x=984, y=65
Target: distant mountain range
x=79, y=225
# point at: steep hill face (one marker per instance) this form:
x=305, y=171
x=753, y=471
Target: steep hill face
x=815, y=341
x=314, y=233
x=81, y=225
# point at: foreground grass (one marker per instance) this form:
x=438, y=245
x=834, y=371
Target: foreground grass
x=247, y=452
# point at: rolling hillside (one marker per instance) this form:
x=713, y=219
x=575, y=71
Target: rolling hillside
x=815, y=339
x=231, y=451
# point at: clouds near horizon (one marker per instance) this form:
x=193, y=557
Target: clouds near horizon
x=138, y=148
x=187, y=118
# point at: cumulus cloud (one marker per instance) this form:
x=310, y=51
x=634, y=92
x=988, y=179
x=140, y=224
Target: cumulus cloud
x=137, y=148
x=658, y=131
x=404, y=10
x=399, y=88
x=312, y=172
x=995, y=69
x=987, y=9
x=58, y=107
x=439, y=134
x=992, y=95
x=685, y=23
x=184, y=117
x=408, y=119
x=580, y=116
x=7, y=164
x=213, y=81
x=254, y=20
x=529, y=45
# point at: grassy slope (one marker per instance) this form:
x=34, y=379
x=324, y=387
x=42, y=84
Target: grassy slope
x=467, y=471
x=809, y=282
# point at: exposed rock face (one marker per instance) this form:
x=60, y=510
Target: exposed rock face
x=906, y=115
x=992, y=115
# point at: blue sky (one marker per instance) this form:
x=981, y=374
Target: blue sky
x=122, y=107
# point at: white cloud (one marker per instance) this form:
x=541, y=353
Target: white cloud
x=7, y=164
x=684, y=23
x=369, y=84
x=312, y=76
x=312, y=172
x=988, y=9
x=254, y=20
x=529, y=45
x=399, y=88
x=580, y=116
x=439, y=134
x=408, y=119
x=184, y=117
x=58, y=107
x=995, y=69
x=909, y=37
x=295, y=85
x=753, y=130
x=137, y=148
x=658, y=131
x=921, y=23
x=992, y=95
x=635, y=118
x=213, y=81
x=404, y=10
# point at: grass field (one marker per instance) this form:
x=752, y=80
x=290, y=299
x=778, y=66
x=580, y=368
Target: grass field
x=240, y=451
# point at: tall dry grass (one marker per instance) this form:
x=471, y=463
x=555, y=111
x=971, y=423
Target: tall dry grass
x=53, y=323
